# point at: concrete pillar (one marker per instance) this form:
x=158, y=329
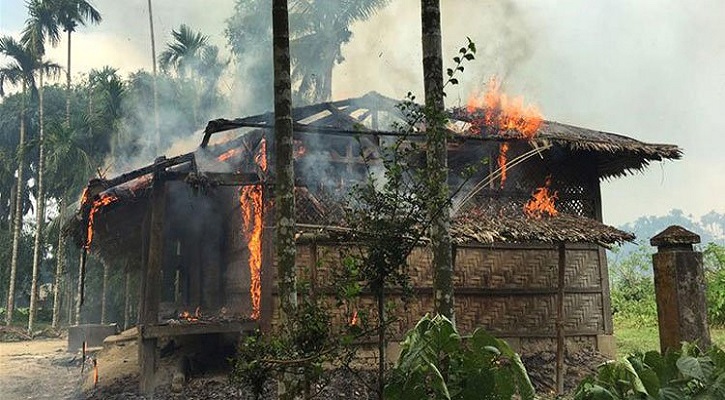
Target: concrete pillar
x=680, y=289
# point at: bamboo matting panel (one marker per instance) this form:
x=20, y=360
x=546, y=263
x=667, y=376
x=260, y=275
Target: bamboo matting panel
x=506, y=268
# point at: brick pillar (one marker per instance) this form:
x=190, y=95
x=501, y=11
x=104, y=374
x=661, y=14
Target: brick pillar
x=680, y=289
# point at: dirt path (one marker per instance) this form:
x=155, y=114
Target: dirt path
x=39, y=369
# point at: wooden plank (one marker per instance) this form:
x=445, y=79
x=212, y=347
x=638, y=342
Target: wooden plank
x=477, y=291
x=560, y=318
x=606, y=296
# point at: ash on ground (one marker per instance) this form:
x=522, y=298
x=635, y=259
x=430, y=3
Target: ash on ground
x=340, y=384
x=541, y=367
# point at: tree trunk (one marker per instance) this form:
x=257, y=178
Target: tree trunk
x=67, y=86
x=284, y=185
x=18, y=223
x=157, y=134
x=382, y=344
x=437, y=158
x=39, y=211
x=59, y=266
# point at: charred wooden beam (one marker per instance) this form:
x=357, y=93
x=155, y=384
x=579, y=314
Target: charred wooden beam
x=152, y=279
x=160, y=164
x=215, y=178
x=197, y=328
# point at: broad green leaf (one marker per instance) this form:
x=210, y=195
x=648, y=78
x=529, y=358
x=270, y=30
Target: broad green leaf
x=690, y=366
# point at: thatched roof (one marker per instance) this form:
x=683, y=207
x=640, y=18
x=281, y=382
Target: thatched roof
x=512, y=226
x=373, y=114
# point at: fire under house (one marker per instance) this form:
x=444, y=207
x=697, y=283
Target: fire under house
x=198, y=228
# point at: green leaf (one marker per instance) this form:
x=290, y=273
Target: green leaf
x=449, y=71
x=453, y=81
x=650, y=381
x=457, y=60
x=690, y=366
x=463, y=50
x=469, y=56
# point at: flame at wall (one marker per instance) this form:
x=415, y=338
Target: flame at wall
x=252, y=204
x=542, y=202
x=103, y=201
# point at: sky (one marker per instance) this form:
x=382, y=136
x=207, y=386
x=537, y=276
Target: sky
x=650, y=69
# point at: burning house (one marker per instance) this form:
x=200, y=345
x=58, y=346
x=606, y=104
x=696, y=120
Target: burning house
x=198, y=228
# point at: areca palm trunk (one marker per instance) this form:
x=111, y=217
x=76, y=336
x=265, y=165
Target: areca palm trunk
x=18, y=217
x=284, y=193
x=39, y=211
x=284, y=188
x=59, y=267
x=157, y=133
x=67, y=86
x=437, y=158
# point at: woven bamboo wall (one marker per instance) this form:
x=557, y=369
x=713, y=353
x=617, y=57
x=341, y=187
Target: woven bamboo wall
x=508, y=290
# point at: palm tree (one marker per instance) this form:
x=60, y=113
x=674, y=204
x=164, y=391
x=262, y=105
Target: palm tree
x=319, y=30
x=41, y=25
x=184, y=53
x=20, y=70
x=437, y=157
x=69, y=14
x=157, y=133
x=68, y=165
x=184, y=56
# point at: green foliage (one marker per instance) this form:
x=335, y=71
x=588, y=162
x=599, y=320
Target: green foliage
x=632, y=286
x=714, y=260
x=685, y=374
x=300, y=349
x=437, y=363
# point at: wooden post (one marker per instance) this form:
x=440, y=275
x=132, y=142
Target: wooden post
x=127, y=297
x=104, y=292
x=81, y=284
x=560, y=318
x=152, y=277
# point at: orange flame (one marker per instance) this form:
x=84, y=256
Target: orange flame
x=252, y=204
x=95, y=372
x=502, y=157
x=84, y=197
x=501, y=115
x=185, y=315
x=228, y=154
x=542, y=202
x=104, y=200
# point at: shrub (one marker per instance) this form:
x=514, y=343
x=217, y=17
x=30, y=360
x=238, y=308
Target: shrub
x=437, y=363
x=679, y=375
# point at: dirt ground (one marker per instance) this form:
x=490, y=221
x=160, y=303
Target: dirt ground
x=39, y=369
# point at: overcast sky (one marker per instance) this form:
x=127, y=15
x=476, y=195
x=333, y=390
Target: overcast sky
x=650, y=69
